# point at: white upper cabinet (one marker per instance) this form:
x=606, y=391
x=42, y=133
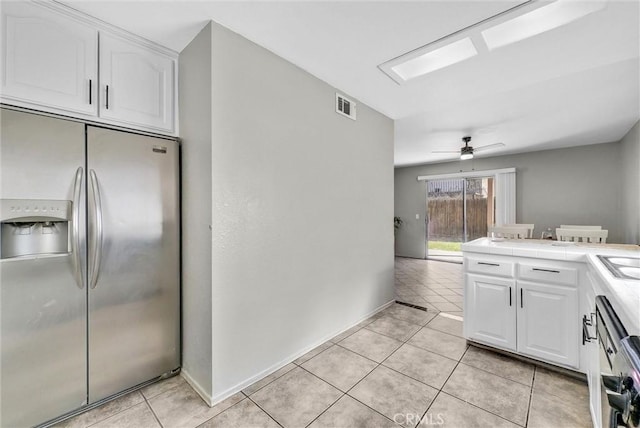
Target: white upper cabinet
x=49, y=59
x=136, y=84
x=51, y=56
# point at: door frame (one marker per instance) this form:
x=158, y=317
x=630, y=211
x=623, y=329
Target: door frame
x=505, y=198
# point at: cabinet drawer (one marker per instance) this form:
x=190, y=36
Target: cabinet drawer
x=490, y=267
x=553, y=274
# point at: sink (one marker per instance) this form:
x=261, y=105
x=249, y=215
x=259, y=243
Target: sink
x=625, y=261
x=633, y=272
x=622, y=267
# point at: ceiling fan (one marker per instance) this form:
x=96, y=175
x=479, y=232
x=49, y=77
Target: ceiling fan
x=467, y=151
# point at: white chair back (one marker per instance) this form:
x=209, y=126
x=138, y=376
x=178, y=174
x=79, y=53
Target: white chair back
x=529, y=227
x=572, y=226
x=585, y=235
x=508, y=232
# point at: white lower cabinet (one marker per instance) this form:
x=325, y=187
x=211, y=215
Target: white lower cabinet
x=532, y=318
x=490, y=311
x=548, y=323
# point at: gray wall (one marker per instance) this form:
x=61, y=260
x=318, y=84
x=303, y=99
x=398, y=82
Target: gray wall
x=302, y=209
x=195, y=131
x=630, y=154
x=302, y=212
x=579, y=185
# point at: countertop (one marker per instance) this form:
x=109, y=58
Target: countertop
x=624, y=294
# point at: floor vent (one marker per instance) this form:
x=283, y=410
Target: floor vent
x=345, y=106
x=422, y=308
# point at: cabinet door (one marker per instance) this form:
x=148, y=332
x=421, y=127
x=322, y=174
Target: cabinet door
x=548, y=326
x=490, y=315
x=590, y=351
x=136, y=84
x=50, y=59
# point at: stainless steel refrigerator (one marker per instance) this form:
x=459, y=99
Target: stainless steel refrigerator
x=89, y=264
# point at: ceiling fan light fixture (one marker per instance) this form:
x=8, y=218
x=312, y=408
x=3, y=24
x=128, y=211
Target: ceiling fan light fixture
x=466, y=154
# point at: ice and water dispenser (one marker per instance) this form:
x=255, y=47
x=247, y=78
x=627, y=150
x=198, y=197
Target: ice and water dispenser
x=34, y=227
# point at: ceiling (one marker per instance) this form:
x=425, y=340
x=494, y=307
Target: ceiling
x=574, y=85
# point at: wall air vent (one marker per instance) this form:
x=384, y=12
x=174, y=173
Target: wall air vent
x=345, y=106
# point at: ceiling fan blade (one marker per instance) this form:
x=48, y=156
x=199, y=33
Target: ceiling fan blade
x=446, y=151
x=488, y=147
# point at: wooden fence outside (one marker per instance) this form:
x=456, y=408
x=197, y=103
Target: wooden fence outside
x=446, y=219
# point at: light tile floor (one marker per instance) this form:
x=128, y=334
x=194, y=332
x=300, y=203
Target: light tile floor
x=402, y=367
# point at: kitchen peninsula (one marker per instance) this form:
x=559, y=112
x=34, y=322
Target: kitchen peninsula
x=536, y=298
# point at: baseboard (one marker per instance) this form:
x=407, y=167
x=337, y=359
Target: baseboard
x=196, y=387
x=264, y=373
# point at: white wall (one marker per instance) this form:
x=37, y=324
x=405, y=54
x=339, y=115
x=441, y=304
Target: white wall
x=195, y=130
x=302, y=243
x=630, y=154
x=579, y=185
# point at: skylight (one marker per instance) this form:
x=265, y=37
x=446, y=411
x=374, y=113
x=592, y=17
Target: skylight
x=518, y=23
x=435, y=59
x=554, y=15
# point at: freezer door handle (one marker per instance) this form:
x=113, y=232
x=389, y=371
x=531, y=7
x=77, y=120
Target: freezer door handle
x=75, y=219
x=97, y=238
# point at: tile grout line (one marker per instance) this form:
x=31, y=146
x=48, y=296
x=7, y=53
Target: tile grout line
x=332, y=385
x=363, y=356
x=378, y=364
x=312, y=357
x=371, y=408
x=535, y=370
x=325, y=410
x=267, y=413
x=440, y=389
x=151, y=408
x=484, y=410
x=269, y=383
x=233, y=405
x=387, y=367
x=112, y=415
x=496, y=374
x=406, y=343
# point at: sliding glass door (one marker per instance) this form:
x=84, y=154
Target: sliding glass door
x=458, y=210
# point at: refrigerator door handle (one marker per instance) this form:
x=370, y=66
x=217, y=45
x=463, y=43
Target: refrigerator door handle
x=75, y=219
x=97, y=239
